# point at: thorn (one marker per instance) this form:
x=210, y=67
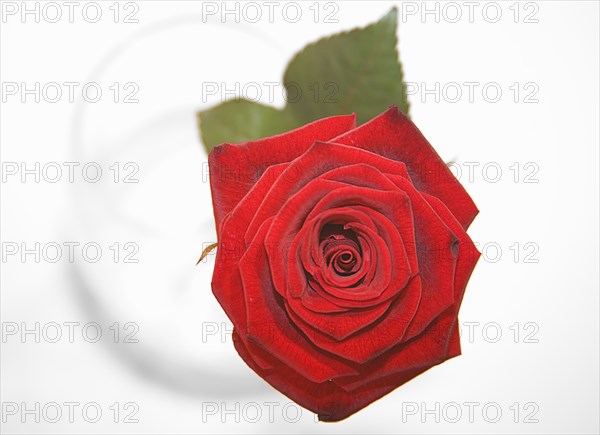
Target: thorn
x=206, y=251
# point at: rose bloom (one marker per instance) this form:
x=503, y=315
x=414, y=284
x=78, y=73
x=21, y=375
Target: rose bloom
x=342, y=258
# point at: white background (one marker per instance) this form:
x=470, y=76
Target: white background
x=183, y=375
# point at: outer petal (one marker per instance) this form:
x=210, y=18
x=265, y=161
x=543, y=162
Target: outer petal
x=423, y=351
x=394, y=136
x=226, y=281
x=235, y=168
x=435, y=244
x=468, y=255
x=327, y=399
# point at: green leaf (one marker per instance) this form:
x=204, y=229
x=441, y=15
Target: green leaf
x=356, y=71
x=352, y=72
x=240, y=121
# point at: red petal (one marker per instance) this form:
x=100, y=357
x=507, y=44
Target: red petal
x=319, y=159
x=468, y=255
x=332, y=328
x=326, y=399
x=235, y=168
x=226, y=280
x=437, y=260
x=394, y=136
x=269, y=325
x=440, y=341
x=425, y=350
x=371, y=340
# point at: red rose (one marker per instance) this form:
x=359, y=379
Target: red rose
x=342, y=258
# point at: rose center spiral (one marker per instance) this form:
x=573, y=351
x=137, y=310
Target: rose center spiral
x=340, y=249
